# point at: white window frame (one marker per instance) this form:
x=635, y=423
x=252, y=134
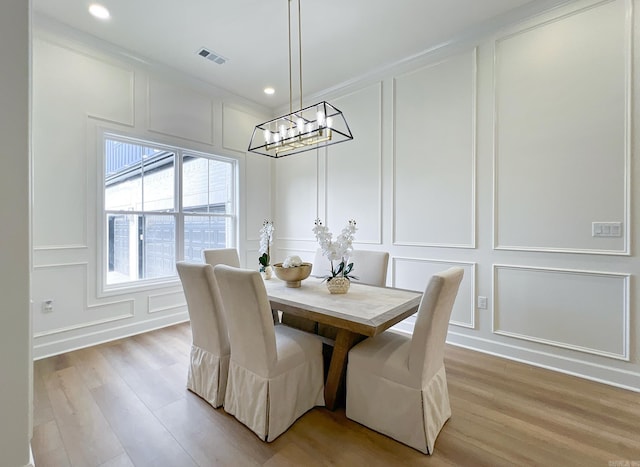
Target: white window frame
x=179, y=215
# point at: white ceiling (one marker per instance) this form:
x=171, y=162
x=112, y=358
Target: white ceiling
x=341, y=39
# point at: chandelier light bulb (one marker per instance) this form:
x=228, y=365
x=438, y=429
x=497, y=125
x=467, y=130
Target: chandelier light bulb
x=267, y=136
x=329, y=122
x=300, y=124
x=320, y=118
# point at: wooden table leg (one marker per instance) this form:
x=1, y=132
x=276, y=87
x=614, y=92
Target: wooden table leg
x=338, y=366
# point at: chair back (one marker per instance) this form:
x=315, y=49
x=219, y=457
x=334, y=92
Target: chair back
x=208, y=325
x=228, y=256
x=370, y=267
x=321, y=266
x=249, y=319
x=426, y=354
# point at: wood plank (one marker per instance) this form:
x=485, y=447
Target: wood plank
x=87, y=436
x=505, y=413
x=145, y=439
x=47, y=445
x=140, y=373
x=211, y=436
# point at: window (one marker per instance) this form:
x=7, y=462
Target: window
x=162, y=205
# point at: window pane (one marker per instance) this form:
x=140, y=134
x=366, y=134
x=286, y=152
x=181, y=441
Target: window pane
x=206, y=185
x=220, y=186
x=142, y=208
x=123, y=170
x=158, y=244
x=122, y=242
x=158, y=184
x=202, y=232
x=125, y=195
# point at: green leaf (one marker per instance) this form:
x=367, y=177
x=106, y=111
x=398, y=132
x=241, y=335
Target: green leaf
x=264, y=260
x=348, y=269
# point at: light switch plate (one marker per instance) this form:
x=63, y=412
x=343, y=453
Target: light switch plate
x=606, y=229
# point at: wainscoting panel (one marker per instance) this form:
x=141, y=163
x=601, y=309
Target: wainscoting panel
x=166, y=301
x=258, y=202
x=83, y=84
x=179, y=111
x=587, y=311
x=434, y=158
x=60, y=254
x=414, y=274
x=296, y=191
x=354, y=168
x=237, y=127
x=70, y=86
x=562, y=123
x=65, y=285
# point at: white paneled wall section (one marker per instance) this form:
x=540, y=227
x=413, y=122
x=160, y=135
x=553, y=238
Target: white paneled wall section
x=81, y=88
x=497, y=153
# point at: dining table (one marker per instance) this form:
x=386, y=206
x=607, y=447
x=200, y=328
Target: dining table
x=364, y=311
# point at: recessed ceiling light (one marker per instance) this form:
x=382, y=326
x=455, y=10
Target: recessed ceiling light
x=99, y=11
x=269, y=91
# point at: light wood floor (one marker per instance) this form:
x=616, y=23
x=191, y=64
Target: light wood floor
x=124, y=403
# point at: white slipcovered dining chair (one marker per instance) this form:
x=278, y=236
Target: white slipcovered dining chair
x=321, y=266
x=397, y=384
x=228, y=256
x=210, y=350
x=275, y=372
x=370, y=267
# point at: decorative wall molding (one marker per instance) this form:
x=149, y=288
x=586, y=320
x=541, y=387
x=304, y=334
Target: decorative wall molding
x=366, y=155
x=464, y=314
x=589, y=278
x=568, y=12
x=472, y=55
x=183, y=96
x=166, y=301
x=59, y=247
x=88, y=324
x=61, y=265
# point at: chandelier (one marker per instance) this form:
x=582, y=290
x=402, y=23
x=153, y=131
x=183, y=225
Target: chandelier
x=308, y=128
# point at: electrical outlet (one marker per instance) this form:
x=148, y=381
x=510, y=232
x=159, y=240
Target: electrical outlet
x=47, y=306
x=482, y=302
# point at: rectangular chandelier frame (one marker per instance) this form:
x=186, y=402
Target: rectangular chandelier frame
x=316, y=126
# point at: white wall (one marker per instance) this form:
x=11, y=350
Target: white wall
x=15, y=342
x=494, y=153
x=80, y=88
x=497, y=154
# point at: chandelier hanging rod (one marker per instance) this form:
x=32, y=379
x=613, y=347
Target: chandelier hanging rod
x=308, y=128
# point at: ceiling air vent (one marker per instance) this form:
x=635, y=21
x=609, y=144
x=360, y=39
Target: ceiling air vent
x=210, y=55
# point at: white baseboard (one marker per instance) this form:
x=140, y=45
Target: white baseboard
x=67, y=342
x=31, y=461
x=624, y=379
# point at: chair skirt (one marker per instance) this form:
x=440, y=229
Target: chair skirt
x=269, y=405
x=208, y=375
x=412, y=414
